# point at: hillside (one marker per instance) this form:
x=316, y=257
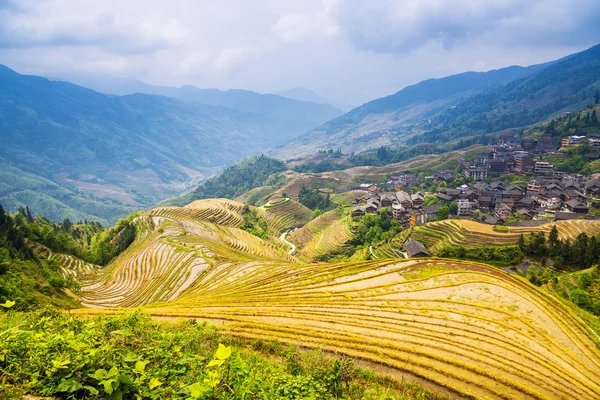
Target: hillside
x=71, y=152
x=469, y=104
x=384, y=121
x=456, y=326
x=289, y=115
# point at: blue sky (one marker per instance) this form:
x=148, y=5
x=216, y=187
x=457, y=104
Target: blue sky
x=347, y=50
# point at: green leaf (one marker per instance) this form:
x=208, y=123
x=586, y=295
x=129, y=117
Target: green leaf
x=108, y=385
x=154, y=383
x=92, y=390
x=112, y=373
x=140, y=366
x=215, y=362
x=8, y=304
x=99, y=375
x=196, y=390
x=223, y=352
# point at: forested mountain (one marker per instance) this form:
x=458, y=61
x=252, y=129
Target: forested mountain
x=467, y=104
x=567, y=85
x=69, y=151
x=382, y=121
x=234, y=181
x=290, y=116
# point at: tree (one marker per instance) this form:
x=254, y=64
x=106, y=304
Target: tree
x=553, y=239
x=444, y=212
x=453, y=208
x=597, y=98
x=594, y=118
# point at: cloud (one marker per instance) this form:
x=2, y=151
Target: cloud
x=402, y=26
x=349, y=50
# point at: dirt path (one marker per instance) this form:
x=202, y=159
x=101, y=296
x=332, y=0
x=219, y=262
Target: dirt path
x=292, y=245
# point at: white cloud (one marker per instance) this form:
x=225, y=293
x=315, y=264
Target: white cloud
x=350, y=50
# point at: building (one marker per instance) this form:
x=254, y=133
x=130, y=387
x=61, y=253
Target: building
x=496, y=167
x=543, y=168
x=592, y=187
x=476, y=173
x=502, y=211
x=464, y=208
x=358, y=211
x=416, y=249
x=594, y=141
x=432, y=211
x=573, y=141
x=576, y=206
x=523, y=163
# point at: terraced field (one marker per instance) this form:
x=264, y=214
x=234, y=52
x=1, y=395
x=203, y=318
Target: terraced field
x=325, y=234
x=467, y=328
x=469, y=233
x=284, y=214
x=167, y=258
x=464, y=326
x=218, y=211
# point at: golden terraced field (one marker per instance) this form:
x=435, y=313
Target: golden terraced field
x=469, y=233
x=466, y=327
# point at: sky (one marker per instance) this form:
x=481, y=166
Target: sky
x=349, y=51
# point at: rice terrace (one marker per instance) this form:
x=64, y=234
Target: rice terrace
x=471, y=329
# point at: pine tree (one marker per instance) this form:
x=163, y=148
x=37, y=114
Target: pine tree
x=597, y=99
x=28, y=214
x=594, y=118
x=553, y=239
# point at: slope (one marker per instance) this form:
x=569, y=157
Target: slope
x=466, y=327
x=383, y=121
x=125, y=152
x=288, y=115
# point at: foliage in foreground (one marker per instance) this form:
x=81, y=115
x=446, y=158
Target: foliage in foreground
x=130, y=357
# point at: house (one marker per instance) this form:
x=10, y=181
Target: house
x=444, y=197
x=404, y=199
x=417, y=200
x=387, y=199
x=444, y=175
x=476, y=173
x=575, y=206
x=534, y=186
x=486, y=202
x=527, y=214
x=464, y=208
x=367, y=186
x=358, y=211
x=496, y=167
x=416, y=249
x=592, y=187
x=453, y=193
x=573, y=140
x=502, y=211
x=492, y=220
x=565, y=216
x=527, y=203
x=372, y=207
x=523, y=163
x=432, y=211
x=594, y=141
x=543, y=168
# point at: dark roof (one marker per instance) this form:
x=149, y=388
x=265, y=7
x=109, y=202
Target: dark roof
x=433, y=208
x=575, y=203
x=443, y=196
x=416, y=248
x=523, y=267
x=491, y=220
x=452, y=192
x=528, y=223
x=526, y=200
x=562, y=216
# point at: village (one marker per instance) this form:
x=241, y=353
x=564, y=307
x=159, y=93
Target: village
x=548, y=195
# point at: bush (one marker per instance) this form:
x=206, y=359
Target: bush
x=501, y=228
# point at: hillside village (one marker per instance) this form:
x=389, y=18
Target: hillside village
x=544, y=194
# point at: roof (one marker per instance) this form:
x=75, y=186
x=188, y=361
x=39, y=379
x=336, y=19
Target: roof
x=526, y=200
x=443, y=196
x=415, y=248
x=575, y=203
x=433, y=208
x=563, y=216
x=402, y=196
x=523, y=267
x=491, y=220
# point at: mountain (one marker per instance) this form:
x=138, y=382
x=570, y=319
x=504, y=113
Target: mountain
x=467, y=104
x=291, y=117
x=303, y=94
x=569, y=84
x=68, y=151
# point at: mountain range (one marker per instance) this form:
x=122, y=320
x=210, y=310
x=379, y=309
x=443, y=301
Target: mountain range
x=471, y=103
x=69, y=151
